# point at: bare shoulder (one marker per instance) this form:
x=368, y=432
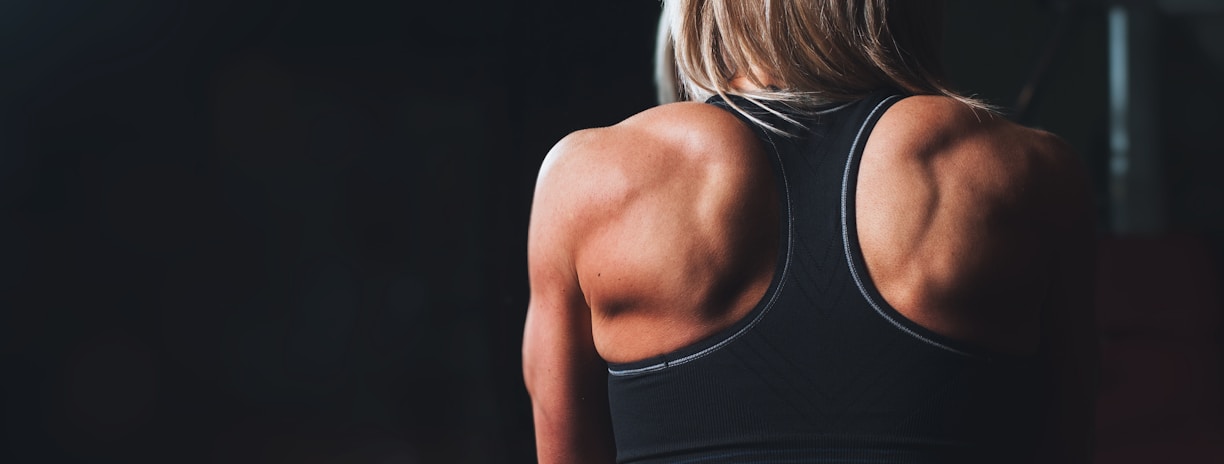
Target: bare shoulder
x=662, y=136
x=592, y=173
x=960, y=209
x=979, y=157
x=628, y=224
x=656, y=220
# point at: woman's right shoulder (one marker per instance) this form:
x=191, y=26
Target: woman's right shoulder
x=684, y=128
x=666, y=158
x=659, y=216
x=684, y=120
x=658, y=142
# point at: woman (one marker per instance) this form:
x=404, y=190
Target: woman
x=828, y=256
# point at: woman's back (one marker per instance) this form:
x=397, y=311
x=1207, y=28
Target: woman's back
x=907, y=277
x=944, y=286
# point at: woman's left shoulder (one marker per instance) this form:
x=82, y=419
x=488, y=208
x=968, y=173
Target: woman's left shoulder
x=977, y=148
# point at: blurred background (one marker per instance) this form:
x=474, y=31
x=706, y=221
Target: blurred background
x=294, y=231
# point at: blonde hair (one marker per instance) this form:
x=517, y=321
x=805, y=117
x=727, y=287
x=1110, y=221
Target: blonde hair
x=811, y=52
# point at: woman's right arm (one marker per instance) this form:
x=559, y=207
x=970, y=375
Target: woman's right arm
x=564, y=375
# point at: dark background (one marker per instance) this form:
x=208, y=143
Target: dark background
x=294, y=231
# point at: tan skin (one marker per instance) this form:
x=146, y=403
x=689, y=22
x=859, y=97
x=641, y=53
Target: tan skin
x=654, y=233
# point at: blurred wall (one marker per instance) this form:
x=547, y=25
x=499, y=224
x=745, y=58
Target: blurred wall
x=283, y=231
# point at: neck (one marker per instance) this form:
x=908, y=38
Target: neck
x=755, y=81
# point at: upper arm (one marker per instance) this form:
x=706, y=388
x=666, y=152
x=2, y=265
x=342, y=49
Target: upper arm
x=562, y=371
